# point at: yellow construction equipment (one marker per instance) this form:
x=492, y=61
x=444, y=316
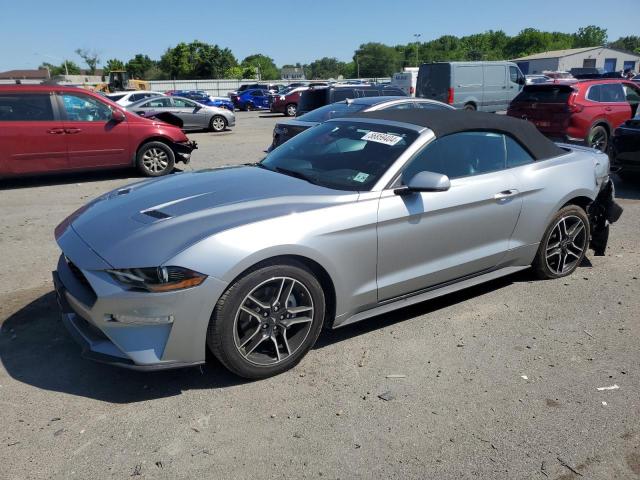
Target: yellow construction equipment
x=119, y=81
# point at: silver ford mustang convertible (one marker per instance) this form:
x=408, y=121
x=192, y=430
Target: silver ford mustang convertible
x=353, y=218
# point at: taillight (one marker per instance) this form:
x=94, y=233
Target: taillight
x=572, y=106
x=412, y=91
x=450, y=96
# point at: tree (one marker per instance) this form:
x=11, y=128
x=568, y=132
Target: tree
x=377, y=60
x=326, y=67
x=263, y=64
x=590, y=36
x=139, y=65
x=197, y=60
x=630, y=43
x=90, y=58
x=113, y=64
x=54, y=70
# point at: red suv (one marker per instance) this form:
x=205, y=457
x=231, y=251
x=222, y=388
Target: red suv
x=586, y=111
x=287, y=101
x=50, y=128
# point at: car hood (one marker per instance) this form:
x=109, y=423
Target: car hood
x=147, y=223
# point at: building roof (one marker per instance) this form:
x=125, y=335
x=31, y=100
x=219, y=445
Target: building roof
x=24, y=74
x=446, y=122
x=557, y=53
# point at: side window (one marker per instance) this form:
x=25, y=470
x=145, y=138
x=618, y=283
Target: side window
x=594, y=93
x=135, y=97
x=369, y=92
x=401, y=106
x=83, y=108
x=256, y=93
x=343, y=94
x=514, y=74
x=612, y=92
x=432, y=106
x=25, y=107
x=183, y=103
x=516, y=155
x=461, y=155
x=161, y=102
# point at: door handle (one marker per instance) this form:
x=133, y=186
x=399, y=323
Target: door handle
x=505, y=194
x=607, y=109
x=72, y=130
x=56, y=131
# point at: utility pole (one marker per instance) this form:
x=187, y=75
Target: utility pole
x=357, y=67
x=417, y=36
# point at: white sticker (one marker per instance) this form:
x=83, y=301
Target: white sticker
x=361, y=177
x=386, y=138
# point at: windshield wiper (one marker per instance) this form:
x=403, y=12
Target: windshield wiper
x=295, y=173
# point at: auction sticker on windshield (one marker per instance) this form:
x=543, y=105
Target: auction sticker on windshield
x=386, y=138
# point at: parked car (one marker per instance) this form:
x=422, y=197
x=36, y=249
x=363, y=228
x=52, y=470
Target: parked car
x=484, y=86
x=287, y=101
x=287, y=129
x=271, y=87
x=203, y=97
x=254, y=99
x=356, y=217
x=316, y=97
x=127, y=98
x=537, y=79
x=406, y=81
x=587, y=111
x=558, y=76
x=586, y=73
x=625, y=147
x=194, y=115
x=51, y=128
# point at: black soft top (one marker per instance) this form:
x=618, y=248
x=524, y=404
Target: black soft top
x=446, y=122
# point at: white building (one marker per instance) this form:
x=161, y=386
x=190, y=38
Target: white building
x=609, y=59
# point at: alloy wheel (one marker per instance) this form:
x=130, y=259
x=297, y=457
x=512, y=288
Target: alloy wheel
x=155, y=160
x=566, y=244
x=273, y=321
x=598, y=139
x=217, y=124
x=291, y=110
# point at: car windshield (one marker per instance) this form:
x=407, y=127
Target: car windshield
x=334, y=110
x=341, y=155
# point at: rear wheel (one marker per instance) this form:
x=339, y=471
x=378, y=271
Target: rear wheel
x=155, y=159
x=598, y=138
x=217, y=123
x=248, y=107
x=290, y=110
x=267, y=320
x=564, y=243
x=470, y=107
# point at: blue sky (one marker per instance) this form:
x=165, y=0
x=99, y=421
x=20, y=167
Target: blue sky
x=32, y=31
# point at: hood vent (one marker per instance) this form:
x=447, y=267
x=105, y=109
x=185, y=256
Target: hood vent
x=156, y=214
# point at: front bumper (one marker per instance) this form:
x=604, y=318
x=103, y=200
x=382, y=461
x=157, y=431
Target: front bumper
x=93, y=307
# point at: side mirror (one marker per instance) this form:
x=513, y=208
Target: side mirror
x=425, y=182
x=117, y=116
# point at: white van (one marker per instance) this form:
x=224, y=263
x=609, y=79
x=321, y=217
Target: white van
x=406, y=80
x=485, y=86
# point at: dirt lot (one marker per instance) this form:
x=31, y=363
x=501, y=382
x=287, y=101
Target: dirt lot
x=498, y=382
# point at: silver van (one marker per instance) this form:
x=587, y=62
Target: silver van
x=485, y=86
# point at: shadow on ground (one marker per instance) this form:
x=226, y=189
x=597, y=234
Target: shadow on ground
x=627, y=187
x=36, y=349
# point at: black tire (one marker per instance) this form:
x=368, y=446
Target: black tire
x=553, y=247
x=248, y=106
x=290, y=110
x=217, y=123
x=470, y=107
x=155, y=159
x=598, y=138
x=223, y=334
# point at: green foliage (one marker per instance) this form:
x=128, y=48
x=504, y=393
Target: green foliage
x=327, y=68
x=54, y=70
x=377, y=60
x=90, y=58
x=196, y=60
x=139, y=66
x=590, y=36
x=113, y=64
x=262, y=64
x=630, y=43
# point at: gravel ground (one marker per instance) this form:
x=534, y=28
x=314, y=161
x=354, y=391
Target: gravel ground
x=499, y=381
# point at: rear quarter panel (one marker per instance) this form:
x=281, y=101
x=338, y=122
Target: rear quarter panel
x=546, y=186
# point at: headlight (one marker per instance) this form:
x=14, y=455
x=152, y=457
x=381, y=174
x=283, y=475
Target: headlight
x=158, y=279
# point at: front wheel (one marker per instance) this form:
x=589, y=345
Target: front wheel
x=248, y=107
x=155, y=159
x=217, y=124
x=598, y=138
x=291, y=109
x=267, y=320
x=564, y=243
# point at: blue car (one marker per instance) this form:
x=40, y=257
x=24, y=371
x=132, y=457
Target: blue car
x=201, y=96
x=254, y=99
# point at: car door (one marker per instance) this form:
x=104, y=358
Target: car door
x=94, y=139
x=260, y=98
x=495, y=88
x=189, y=111
x=632, y=94
x=430, y=238
x=616, y=107
x=31, y=134
x=156, y=104
x=515, y=81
